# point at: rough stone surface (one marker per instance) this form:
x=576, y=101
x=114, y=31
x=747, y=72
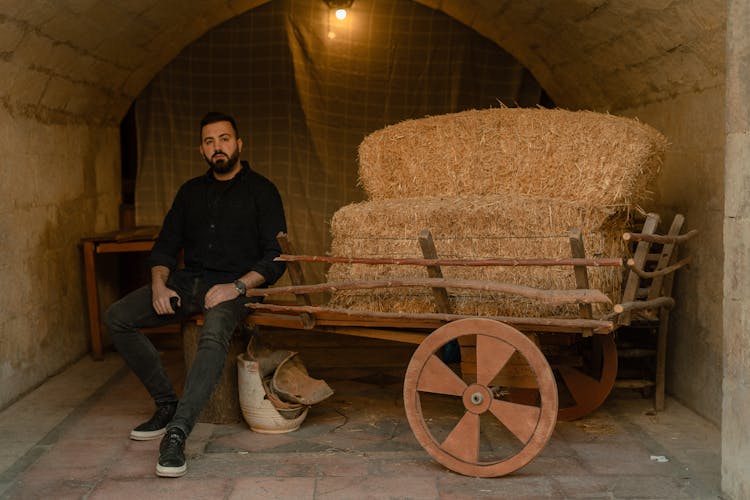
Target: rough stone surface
x=736, y=388
x=692, y=183
x=71, y=69
x=57, y=184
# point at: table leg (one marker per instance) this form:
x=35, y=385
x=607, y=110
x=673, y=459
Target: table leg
x=93, y=300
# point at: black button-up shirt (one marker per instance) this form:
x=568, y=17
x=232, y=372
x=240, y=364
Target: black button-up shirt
x=226, y=228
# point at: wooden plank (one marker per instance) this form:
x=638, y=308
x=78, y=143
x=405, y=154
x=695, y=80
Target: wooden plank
x=509, y=262
x=126, y=246
x=551, y=297
x=581, y=273
x=394, y=335
x=429, y=251
x=89, y=265
x=325, y=316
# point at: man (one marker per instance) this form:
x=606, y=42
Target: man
x=226, y=223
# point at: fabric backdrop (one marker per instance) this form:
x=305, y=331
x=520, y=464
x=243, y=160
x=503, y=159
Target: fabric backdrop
x=305, y=89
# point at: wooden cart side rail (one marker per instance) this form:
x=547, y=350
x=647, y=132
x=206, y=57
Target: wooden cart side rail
x=661, y=272
x=658, y=238
x=639, y=305
x=507, y=262
x=326, y=316
x=552, y=297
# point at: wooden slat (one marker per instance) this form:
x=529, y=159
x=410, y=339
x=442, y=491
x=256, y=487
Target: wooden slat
x=129, y=246
x=509, y=262
x=553, y=297
x=328, y=316
x=429, y=251
x=581, y=273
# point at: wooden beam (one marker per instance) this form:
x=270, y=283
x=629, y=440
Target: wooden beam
x=553, y=297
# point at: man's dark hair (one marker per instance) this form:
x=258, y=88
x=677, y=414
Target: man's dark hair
x=216, y=116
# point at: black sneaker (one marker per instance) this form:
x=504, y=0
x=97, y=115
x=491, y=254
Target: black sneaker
x=156, y=426
x=172, y=454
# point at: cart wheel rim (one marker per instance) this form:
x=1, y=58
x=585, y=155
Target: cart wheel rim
x=589, y=392
x=532, y=426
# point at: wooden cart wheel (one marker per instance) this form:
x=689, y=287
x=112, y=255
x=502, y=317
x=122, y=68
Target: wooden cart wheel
x=589, y=390
x=466, y=425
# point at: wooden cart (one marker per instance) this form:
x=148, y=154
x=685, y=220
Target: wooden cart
x=497, y=411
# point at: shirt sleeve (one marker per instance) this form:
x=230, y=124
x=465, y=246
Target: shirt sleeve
x=170, y=240
x=271, y=221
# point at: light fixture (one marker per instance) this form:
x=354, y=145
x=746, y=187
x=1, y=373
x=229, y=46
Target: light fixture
x=339, y=4
x=337, y=13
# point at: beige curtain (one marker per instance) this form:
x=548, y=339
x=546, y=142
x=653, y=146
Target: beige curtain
x=305, y=89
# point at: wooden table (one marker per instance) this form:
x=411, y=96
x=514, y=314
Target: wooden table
x=132, y=240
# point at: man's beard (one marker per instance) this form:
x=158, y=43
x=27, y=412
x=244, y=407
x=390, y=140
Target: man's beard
x=224, y=166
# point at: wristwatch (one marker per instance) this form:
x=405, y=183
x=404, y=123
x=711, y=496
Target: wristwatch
x=240, y=286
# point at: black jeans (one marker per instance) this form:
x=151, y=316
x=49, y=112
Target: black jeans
x=135, y=310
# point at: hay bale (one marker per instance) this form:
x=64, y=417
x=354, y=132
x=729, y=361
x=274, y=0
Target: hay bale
x=587, y=157
x=471, y=227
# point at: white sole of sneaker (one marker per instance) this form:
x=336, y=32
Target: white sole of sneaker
x=147, y=435
x=171, y=471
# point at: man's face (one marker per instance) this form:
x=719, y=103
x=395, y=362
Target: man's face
x=220, y=147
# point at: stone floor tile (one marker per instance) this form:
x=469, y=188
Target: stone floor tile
x=621, y=458
x=254, y=488
x=95, y=454
x=342, y=464
x=406, y=466
x=249, y=441
x=133, y=464
x=376, y=488
x=161, y=489
x=516, y=486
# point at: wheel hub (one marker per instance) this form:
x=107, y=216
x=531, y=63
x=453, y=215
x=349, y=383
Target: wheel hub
x=477, y=399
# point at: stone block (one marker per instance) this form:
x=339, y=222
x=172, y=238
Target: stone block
x=737, y=197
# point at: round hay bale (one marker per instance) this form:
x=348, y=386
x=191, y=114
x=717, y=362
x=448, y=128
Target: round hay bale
x=473, y=228
x=592, y=158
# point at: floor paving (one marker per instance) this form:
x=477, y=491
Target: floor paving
x=69, y=439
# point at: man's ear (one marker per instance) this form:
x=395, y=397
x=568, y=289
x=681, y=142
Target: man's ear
x=239, y=144
x=200, y=150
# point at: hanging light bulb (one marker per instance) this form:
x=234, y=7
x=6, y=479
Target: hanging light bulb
x=340, y=14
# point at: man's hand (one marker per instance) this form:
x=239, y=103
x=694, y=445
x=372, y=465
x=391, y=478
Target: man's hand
x=161, y=296
x=220, y=293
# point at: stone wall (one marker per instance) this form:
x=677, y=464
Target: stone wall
x=57, y=184
x=735, y=436
x=692, y=183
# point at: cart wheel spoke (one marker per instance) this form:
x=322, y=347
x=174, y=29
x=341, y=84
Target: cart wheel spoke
x=437, y=377
x=578, y=383
x=589, y=392
x=521, y=420
x=463, y=441
x=492, y=354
